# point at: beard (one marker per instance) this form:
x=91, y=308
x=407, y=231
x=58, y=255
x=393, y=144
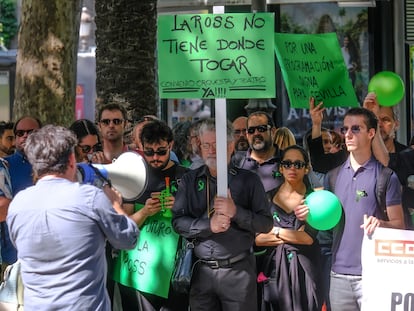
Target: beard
x=158, y=165
x=242, y=144
x=387, y=137
x=211, y=163
x=259, y=144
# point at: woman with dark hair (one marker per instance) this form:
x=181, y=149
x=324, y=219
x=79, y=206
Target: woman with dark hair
x=89, y=148
x=291, y=271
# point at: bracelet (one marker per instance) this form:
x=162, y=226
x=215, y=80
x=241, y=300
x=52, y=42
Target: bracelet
x=276, y=231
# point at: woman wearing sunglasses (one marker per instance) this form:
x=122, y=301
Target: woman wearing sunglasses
x=291, y=271
x=89, y=148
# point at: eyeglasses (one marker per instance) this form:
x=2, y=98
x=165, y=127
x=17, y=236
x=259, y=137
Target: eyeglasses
x=20, y=133
x=87, y=148
x=355, y=129
x=295, y=164
x=259, y=128
x=150, y=152
x=207, y=146
x=114, y=121
x=239, y=131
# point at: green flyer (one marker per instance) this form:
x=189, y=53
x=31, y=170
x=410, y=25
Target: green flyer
x=149, y=266
x=313, y=66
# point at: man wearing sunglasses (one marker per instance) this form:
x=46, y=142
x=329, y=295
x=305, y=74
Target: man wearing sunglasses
x=262, y=156
x=356, y=190
x=21, y=177
x=112, y=120
x=152, y=213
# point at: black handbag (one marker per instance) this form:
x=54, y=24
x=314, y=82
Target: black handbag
x=183, y=270
x=270, y=293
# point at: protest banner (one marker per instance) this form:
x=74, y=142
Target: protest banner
x=313, y=66
x=216, y=56
x=149, y=266
x=388, y=270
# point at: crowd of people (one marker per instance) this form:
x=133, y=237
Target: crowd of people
x=253, y=248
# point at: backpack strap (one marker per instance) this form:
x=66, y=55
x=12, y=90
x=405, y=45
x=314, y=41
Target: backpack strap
x=383, y=178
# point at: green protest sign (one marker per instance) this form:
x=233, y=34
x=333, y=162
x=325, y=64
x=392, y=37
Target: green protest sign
x=149, y=266
x=216, y=56
x=313, y=66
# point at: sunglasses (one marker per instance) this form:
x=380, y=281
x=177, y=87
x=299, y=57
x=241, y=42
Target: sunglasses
x=114, y=121
x=87, y=148
x=295, y=164
x=259, y=128
x=150, y=152
x=355, y=129
x=20, y=133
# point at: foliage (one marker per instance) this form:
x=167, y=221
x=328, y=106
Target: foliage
x=8, y=20
x=288, y=26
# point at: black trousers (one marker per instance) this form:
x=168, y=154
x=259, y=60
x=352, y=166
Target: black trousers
x=224, y=289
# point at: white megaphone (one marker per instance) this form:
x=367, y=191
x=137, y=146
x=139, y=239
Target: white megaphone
x=128, y=174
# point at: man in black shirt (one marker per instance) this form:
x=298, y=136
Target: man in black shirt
x=393, y=154
x=155, y=253
x=223, y=228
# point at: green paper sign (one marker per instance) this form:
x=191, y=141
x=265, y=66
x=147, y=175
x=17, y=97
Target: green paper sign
x=313, y=66
x=216, y=56
x=149, y=266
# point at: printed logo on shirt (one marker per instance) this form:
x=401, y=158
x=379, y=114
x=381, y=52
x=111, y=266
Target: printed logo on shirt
x=201, y=185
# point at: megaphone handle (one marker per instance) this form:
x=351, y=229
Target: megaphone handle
x=100, y=175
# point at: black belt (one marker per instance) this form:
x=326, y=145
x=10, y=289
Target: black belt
x=225, y=263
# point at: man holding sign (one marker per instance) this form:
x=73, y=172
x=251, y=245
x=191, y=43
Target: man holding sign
x=224, y=228
x=145, y=272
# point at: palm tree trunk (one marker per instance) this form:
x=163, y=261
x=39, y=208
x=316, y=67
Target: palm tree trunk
x=46, y=60
x=125, y=55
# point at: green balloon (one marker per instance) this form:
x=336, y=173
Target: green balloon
x=324, y=209
x=388, y=86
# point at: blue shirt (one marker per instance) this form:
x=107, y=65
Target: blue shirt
x=20, y=171
x=60, y=229
x=356, y=191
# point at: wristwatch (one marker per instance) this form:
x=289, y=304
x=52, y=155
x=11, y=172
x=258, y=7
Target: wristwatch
x=276, y=231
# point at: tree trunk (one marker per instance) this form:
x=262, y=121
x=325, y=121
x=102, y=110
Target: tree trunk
x=46, y=60
x=125, y=55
